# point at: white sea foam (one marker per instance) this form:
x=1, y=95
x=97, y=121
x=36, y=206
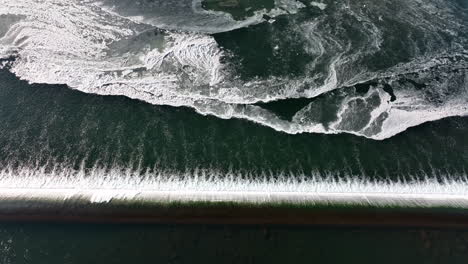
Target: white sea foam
x=95, y=48
x=189, y=15
x=105, y=185
x=320, y=5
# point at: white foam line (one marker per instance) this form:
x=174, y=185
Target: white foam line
x=108, y=185
x=420, y=200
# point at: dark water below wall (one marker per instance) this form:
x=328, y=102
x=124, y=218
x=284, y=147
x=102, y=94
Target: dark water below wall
x=78, y=244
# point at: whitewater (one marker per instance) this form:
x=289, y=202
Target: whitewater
x=172, y=57
x=115, y=185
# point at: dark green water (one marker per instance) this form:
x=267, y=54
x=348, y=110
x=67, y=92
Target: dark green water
x=370, y=68
x=63, y=244
x=44, y=123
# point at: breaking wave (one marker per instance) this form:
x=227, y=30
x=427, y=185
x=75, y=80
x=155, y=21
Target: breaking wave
x=372, y=68
x=209, y=180
x=113, y=185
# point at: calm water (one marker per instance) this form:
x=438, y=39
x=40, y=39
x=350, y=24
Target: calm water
x=50, y=244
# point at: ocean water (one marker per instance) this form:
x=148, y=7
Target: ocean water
x=297, y=96
x=51, y=129
x=276, y=88
x=59, y=243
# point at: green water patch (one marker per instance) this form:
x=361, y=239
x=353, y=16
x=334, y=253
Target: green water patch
x=462, y=3
x=55, y=243
x=287, y=108
x=266, y=50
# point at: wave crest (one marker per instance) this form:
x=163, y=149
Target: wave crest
x=109, y=48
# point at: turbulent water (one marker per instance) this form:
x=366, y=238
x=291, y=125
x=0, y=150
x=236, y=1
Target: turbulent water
x=235, y=95
x=370, y=68
x=305, y=102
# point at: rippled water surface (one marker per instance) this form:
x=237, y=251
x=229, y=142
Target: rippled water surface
x=233, y=95
x=346, y=91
